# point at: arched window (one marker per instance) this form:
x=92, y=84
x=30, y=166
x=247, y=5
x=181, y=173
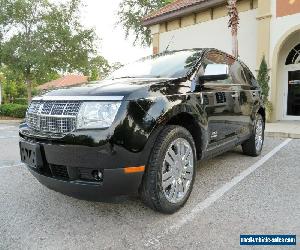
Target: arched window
x=294, y=56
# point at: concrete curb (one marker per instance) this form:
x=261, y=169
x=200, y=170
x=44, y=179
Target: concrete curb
x=10, y=121
x=283, y=129
x=282, y=135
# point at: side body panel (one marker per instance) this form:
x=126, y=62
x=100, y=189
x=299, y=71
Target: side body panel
x=164, y=104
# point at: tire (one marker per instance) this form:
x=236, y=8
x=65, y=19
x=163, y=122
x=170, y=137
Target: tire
x=250, y=147
x=166, y=168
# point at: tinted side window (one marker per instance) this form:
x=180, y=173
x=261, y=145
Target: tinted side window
x=250, y=78
x=237, y=73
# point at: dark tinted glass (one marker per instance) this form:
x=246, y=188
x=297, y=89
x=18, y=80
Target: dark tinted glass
x=237, y=74
x=166, y=65
x=250, y=78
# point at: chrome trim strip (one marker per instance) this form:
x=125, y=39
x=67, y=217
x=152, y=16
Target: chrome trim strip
x=42, y=135
x=57, y=116
x=78, y=98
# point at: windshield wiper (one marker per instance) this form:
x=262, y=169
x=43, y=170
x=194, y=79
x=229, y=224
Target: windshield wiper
x=122, y=77
x=144, y=76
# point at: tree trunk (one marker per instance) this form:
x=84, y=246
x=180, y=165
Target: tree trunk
x=235, y=47
x=28, y=83
x=233, y=24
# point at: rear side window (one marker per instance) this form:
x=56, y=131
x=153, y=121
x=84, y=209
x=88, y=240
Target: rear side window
x=237, y=74
x=250, y=78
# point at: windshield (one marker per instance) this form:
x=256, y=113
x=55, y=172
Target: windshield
x=167, y=65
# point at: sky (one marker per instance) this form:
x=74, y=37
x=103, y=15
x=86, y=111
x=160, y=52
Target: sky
x=102, y=15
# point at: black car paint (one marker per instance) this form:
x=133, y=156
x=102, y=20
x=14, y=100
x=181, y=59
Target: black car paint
x=147, y=106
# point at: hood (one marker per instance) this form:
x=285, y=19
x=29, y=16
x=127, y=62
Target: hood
x=112, y=88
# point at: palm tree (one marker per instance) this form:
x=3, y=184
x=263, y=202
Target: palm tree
x=233, y=24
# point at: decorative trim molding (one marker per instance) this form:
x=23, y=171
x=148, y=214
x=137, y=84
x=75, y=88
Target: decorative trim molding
x=264, y=17
x=78, y=98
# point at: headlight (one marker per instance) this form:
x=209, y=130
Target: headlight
x=97, y=114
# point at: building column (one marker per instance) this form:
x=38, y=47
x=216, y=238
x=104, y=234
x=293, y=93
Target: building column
x=263, y=35
x=263, y=18
x=155, y=38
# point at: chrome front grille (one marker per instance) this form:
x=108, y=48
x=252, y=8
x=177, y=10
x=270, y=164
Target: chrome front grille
x=57, y=117
x=57, y=124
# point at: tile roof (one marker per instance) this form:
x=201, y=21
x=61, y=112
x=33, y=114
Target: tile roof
x=179, y=8
x=174, y=6
x=65, y=81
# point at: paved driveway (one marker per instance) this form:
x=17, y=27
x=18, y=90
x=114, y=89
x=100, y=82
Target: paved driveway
x=233, y=194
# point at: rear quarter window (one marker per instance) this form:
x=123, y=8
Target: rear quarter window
x=250, y=78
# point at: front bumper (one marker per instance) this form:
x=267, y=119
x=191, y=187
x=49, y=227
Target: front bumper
x=69, y=169
x=115, y=183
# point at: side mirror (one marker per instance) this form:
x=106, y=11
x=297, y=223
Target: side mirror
x=215, y=72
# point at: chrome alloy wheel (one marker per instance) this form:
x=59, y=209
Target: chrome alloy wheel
x=259, y=135
x=177, y=170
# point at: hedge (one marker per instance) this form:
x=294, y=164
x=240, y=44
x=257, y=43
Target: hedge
x=22, y=101
x=13, y=110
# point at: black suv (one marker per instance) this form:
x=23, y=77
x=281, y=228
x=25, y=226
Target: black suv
x=143, y=129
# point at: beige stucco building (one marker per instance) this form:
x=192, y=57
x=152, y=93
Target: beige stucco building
x=267, y=27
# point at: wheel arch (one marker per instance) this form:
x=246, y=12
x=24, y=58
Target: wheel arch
x=179, y=112
x=188, y=122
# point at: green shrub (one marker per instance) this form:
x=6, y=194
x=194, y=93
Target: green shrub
x=22, y=101
x=263, y=79
x=13, y=110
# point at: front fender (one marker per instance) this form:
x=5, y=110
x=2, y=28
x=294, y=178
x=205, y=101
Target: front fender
x=184, y=110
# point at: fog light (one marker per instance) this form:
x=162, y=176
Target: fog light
x=97, y=174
